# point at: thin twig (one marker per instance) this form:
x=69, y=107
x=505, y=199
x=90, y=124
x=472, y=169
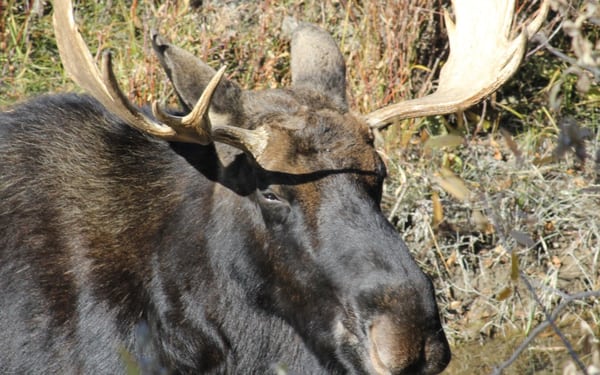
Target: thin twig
x=549, y=317
x=590, y=68
x=551, y=322
x=540, y=328
x=543, y=45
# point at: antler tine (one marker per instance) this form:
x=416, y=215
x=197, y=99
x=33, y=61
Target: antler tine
x=482, y=58
x=197, y=124
x=78, y=62
x=192, y=128
x=197, y=120
x=536, y=23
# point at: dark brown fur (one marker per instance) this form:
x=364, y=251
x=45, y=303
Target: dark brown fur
x=199, y=258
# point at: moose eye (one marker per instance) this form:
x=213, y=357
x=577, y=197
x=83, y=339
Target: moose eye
x=274, y=208
x=270, y=196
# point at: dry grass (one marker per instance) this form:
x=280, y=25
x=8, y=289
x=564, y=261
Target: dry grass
x=543, y=216
x=488, y=309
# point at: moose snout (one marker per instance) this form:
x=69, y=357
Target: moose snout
x=397, y=328
x=397, y=348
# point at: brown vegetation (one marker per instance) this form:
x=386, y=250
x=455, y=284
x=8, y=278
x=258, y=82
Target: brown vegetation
x=498, y=206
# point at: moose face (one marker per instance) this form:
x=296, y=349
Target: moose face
x=328, y=261
x=331, y=264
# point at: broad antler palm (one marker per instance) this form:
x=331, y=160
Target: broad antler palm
x=483, y=56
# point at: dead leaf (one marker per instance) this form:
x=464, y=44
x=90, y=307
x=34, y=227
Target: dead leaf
x=504, y=184
x=580, y=182
x=488, y=263
x=451, y=259
x=514, y=267
x=438, y=210
x=504, y=293
x=499, y=249
x=556, y=261
x=454, y=305
x=497, y=155
x=588, y=336
x=522, y=238
x=452, y=184
x=481, y=222
x=441, y=141
x=583, y=83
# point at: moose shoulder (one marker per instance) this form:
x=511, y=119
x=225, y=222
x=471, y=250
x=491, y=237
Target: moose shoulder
x=242, y=235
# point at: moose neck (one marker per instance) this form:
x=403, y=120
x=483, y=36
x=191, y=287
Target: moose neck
x=213, y=302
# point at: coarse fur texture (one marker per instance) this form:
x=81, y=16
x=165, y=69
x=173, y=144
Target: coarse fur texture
x=232, y=265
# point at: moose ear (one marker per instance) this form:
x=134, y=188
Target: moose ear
x=190, y=76
x=317, y=62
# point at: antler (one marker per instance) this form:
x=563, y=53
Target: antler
x=192, y=128
x=482, y=57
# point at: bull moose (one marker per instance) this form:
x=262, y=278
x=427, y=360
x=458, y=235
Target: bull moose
x=244, y=233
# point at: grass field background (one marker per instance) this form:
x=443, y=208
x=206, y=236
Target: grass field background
x=500, y=206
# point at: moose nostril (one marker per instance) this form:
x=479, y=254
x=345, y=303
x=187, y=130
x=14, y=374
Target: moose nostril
x=437, y=353
x=399, y=349
x=392, y=349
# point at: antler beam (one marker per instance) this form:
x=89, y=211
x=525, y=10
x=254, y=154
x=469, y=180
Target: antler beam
x=193, y=128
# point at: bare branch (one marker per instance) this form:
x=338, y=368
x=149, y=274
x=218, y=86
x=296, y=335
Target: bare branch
x=548, y=322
